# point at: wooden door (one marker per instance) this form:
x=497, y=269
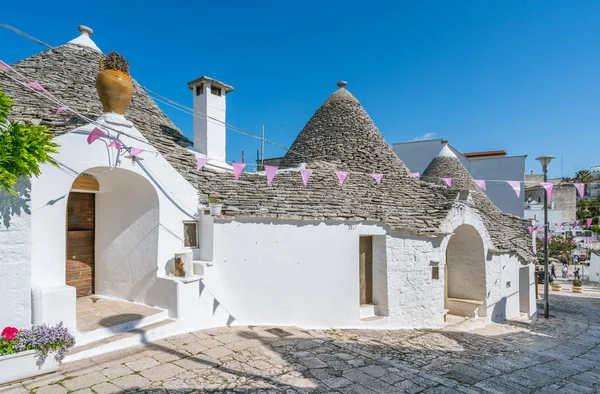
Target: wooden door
x=366, y=270
x=81, y=209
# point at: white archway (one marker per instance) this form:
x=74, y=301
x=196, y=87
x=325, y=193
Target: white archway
x=465, y=273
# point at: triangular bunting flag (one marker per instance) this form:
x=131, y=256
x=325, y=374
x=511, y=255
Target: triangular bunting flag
x=377, y=177
x=133, y=152
x=165, y=155
x=60, y=109
x=529, y=228
x=516, y=185
x=115, y=144
x=4, y=65
x=306, y=173
x=37, y=86
x=448, y=181
x=414, y=174
x=200, y=162
x=589, y=222
x=341, y=175
x=480, y=183
x=580, y=188
x=548, y=186
x=270, y=172
x=237, y=169
x=94, y=135
x=576, y=223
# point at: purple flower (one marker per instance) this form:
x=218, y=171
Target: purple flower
x=44, y=339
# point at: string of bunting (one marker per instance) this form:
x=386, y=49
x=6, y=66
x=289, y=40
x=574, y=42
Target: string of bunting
x=269, y=170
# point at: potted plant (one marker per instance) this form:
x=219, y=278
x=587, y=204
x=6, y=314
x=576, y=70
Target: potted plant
x=577, y=286
x=215, y=204
x=19, y=350
x=555, y=285
x=113, y=83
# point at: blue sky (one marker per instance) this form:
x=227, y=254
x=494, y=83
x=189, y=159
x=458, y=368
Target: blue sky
x=523, y=76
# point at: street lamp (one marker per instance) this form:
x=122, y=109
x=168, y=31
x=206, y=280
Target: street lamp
x=545, y=161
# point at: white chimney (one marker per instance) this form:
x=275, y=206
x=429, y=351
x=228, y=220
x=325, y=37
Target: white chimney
x=210, y=109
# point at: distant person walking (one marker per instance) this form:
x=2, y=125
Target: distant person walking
x=553, y=271
x=576, y=273
x=565, y=271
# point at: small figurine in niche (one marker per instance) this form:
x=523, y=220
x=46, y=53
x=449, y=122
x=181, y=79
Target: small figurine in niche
x=179, y=268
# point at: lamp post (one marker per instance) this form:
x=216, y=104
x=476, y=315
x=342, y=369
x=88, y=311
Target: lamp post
x=545, y=161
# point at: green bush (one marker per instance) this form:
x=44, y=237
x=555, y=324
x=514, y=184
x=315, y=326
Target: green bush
x=577, y=283
x=23, y=147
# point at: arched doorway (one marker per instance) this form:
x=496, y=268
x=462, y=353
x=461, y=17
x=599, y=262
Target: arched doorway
x=465, y=273
x=112, y=234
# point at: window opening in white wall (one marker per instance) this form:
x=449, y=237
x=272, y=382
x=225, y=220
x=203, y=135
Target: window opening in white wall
x=190, y=234
x=215, y=90
x=199, y=89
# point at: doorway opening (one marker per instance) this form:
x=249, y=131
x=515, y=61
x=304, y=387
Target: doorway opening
x=81, y=226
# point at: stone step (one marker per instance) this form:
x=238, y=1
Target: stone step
x=84, y=338
x=134, y=337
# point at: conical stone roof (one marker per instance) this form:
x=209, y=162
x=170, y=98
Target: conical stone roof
x=507, y=232
x=341, y=133
x=447, y=165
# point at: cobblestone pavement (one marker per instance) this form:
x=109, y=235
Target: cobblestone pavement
x=559, y=355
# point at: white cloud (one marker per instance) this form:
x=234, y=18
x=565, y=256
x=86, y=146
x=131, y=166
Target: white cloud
x=426, y=136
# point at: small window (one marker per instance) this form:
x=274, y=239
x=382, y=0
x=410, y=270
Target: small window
x=190, y=234
x=508, y=285
x=215, y=90
x=569, y=233
x=199, y=89
x=435, y=272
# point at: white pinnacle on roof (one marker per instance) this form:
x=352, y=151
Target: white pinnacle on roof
x=446, y=152
x=84, y=39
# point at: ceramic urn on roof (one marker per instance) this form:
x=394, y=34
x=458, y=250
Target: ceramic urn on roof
x=113, y=83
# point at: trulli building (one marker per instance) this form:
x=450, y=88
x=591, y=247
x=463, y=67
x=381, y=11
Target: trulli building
x=396, y=254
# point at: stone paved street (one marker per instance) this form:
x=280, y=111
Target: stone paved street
x=556, y=356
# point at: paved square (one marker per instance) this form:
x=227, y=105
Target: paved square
x=560, y=355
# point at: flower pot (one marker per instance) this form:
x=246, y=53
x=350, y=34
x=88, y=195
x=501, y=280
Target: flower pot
x=556, y=288
x=114, y=89
x=577, y=289
x=215, y=209
x=22, y=365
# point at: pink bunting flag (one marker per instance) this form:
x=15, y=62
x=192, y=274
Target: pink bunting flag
x=4, y=65
x=589, y=222
x=580, y=188
x=414, y=174
x=306, y=173
x=576, y=223
x=536, y=227
x=548, y=186
x=60, y=109
x=377, y=177
x=135, y=151
x=530, y=229
x=270, y=172
x=480, y=183
x=94, y=135
x=516, y=185
x=341, y=175
x=563, y=224
x=200, y=162
x=165, y=155
x=237, y=169
x=37, y=86
x=115, y=144
x=448, y=181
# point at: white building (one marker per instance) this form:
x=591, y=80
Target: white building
x=391, y=255
x=493, y=165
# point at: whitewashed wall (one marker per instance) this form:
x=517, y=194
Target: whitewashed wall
x=48, y=204
x=15, y=257
x=127, y=226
